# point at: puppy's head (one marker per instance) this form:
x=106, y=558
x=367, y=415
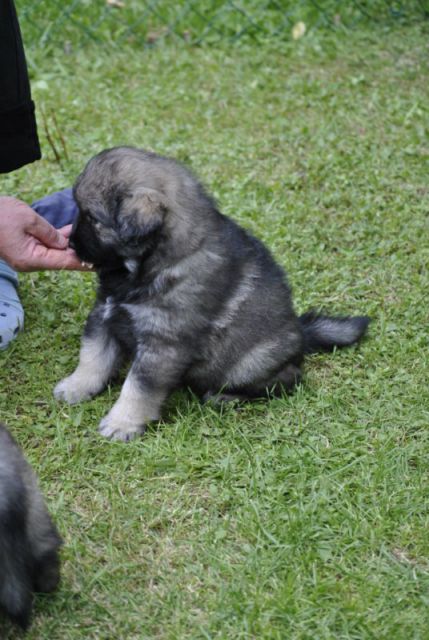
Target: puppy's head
x=121, y=210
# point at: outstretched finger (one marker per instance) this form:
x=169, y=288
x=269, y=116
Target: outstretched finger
x=43, y=258
x=64, y=259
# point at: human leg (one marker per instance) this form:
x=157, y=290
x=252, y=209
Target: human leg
x=11, y=311
x=58, y=208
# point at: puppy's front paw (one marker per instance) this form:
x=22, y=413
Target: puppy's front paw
x=73, y=389
x=117, y=428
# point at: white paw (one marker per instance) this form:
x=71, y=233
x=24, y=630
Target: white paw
x=73, y=389
x=117, y=428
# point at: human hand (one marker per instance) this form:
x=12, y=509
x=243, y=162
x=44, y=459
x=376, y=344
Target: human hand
x=29, y=243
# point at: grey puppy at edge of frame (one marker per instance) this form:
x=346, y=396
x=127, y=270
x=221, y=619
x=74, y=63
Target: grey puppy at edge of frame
x=185, y=293
x=29, y=540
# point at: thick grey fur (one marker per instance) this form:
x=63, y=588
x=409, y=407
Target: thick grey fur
x=184, y=292
x=29, y=541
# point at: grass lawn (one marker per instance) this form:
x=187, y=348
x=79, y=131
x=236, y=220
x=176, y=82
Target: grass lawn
x=301, y=518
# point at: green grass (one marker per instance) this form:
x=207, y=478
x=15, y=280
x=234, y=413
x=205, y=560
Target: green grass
x=301, y=518
x=54, y=24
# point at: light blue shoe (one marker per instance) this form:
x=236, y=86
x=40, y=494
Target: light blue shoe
x=11, y=311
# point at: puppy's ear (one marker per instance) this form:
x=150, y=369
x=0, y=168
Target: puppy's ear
x=141, y=215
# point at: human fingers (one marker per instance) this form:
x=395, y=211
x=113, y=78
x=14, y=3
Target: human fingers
x=40, y=229
x=66, y=231
x=53, y=259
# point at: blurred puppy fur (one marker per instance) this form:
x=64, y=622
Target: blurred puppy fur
x=29, y=541
x=184, y=292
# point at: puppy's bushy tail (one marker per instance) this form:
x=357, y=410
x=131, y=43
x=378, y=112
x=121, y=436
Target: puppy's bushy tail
x=323, y=333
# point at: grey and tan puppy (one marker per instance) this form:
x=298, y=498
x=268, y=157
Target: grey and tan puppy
x=184, y=292
x=29, y=541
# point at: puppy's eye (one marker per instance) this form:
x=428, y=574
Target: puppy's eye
x=96, y=224
x=92, y=220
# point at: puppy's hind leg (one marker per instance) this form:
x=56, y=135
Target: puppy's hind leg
x=286, y=380
x=99, y=359
x=283, y=382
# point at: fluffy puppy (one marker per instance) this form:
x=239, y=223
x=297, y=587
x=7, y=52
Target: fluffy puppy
x=29, y=541
x=184, y=292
